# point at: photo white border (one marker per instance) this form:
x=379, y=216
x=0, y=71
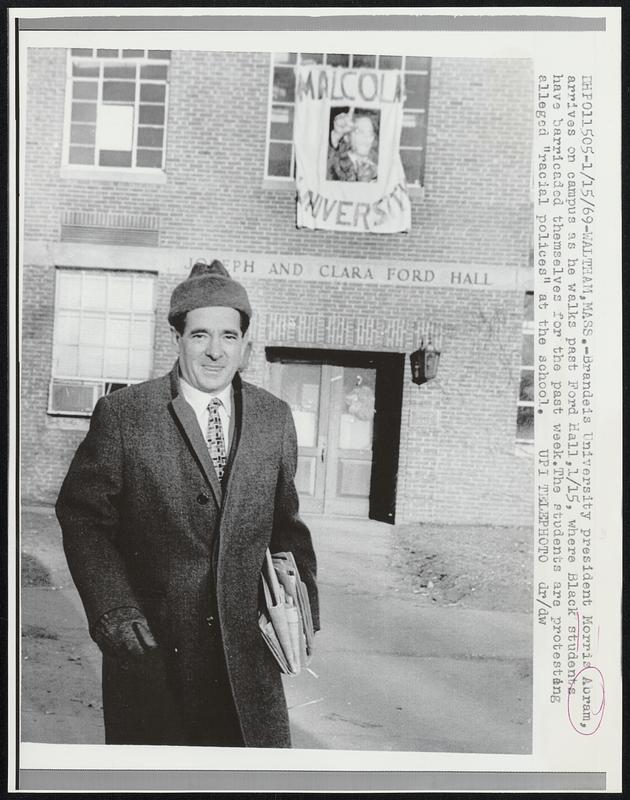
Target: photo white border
x=551, y=50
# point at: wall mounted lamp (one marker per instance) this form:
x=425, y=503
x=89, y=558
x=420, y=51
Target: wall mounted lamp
x=424, y=362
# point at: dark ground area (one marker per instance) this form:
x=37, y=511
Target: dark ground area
x=479, y=567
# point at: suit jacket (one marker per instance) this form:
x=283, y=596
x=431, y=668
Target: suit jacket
x=146, y=523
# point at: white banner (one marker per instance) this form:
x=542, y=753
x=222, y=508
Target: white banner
x=347, y=137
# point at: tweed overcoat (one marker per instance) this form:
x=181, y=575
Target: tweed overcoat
x=146, y=523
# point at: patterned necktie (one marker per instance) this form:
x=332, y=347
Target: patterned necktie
x=214, y=437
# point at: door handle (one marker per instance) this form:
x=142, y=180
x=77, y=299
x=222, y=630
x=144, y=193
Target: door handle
x=323, y=453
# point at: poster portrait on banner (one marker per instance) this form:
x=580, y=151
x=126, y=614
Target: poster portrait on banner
x=347, y=135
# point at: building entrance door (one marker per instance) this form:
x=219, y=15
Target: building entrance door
x=333, y=408
x=347, y=410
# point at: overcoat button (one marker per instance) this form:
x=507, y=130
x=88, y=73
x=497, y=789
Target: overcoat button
x=202, y=499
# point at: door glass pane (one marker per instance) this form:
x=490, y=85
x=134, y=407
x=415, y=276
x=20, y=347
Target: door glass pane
x=300, y=385
x=305, y=475
x=357, y=415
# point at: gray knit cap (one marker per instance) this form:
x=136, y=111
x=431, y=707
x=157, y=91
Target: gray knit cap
x=208, y=285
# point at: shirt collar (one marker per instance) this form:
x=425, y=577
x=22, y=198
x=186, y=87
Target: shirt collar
x=199, y=400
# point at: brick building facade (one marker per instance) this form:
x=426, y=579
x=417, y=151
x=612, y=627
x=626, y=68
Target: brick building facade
x=344, y=309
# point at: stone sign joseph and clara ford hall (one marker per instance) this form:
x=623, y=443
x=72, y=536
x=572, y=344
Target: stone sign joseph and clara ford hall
x=139, y=162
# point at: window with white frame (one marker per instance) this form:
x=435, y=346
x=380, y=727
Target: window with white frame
x=525, y=408
x=116, y=105
x=103, y=336
x=280, y=154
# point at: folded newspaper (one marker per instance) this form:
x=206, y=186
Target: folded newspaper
x=285, y=620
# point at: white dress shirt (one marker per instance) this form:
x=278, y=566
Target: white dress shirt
x=199, y=401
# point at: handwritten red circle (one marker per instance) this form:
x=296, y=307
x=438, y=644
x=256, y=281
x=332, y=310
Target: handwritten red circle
x=600, y=711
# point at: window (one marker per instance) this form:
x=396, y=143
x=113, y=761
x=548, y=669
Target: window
x=525, y=408
x=116, y=103
x=280, y=155
x=103, y=336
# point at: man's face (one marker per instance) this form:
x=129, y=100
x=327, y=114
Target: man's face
x=362, y=136
x=211, y=347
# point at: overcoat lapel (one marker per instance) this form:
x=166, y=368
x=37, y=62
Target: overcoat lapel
x=244, y=435
x=192, y=434
x=236, y=423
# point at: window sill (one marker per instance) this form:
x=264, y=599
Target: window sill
x=112, y=174
x=280, y=185
x=524, y=449
x=64, y=421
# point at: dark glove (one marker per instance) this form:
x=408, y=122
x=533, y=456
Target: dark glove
x=124, y=633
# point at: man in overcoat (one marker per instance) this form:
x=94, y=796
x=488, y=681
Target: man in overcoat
x=179, y=487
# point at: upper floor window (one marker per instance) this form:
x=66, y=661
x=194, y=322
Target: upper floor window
x=103, y=336
x=280, y=153
x=525, y=406
x=116, y=102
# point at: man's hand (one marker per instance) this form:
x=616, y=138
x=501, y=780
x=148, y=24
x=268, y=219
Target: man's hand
x=124, y=633
x=342, y=124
